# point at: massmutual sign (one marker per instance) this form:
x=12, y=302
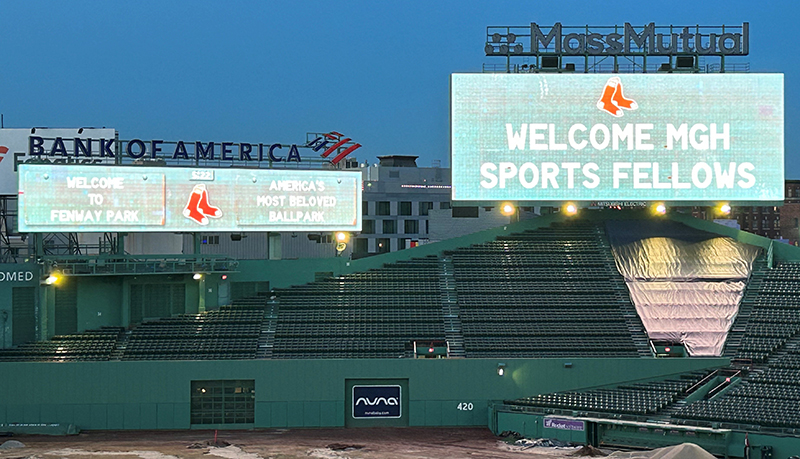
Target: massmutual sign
x=681, y=40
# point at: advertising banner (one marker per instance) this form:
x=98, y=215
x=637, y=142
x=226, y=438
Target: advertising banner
x=15, y=143
x=619, y=137
x=67, y=198
x=376, y=402
x=564, y=424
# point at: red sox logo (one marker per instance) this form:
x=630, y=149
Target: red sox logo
x=198, y=209
x=613, y=101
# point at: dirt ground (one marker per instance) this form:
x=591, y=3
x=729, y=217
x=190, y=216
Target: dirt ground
x=374, y=443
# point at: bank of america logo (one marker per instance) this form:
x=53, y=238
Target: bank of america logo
x=613, y=101
x=3, y=151
x=333, y=141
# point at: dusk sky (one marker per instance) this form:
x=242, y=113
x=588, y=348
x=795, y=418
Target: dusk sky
x=271, y=71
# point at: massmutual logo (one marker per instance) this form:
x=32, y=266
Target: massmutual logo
x=613, y=101
x=388, y=401
x=3, y=151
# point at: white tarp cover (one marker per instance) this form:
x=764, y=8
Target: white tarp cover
x=719, y=258
x=686, y=284
x=682, y=451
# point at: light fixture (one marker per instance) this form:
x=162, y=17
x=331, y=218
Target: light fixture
x=660, y=209
x=52, y=279
x=725, y=209
x=507, y=209
x=224, y=277
x=570, y=209
x=341, y=237
x=501, y=369
x=197, y=276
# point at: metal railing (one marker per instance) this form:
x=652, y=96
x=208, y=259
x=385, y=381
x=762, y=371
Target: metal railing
x=627, y=67
x=139, y=265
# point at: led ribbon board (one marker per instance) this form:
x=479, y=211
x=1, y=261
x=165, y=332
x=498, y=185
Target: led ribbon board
x=632, y=137
x=63, y=198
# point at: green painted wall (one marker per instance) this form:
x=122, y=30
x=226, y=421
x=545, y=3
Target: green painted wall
x=99, y=302
x=297, y=393
x=13, y=275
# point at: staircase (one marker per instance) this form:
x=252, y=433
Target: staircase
x=627, y=309
x=751, y=292
x=450, y=309
x=122, y=344
x=266, y=338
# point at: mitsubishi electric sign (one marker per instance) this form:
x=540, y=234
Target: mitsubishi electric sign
x=621, y=137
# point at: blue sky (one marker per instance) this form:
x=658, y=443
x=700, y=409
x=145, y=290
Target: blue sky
x=271, y=71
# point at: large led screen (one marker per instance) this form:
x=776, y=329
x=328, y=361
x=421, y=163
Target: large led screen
x=64, y=198
x=633, y=137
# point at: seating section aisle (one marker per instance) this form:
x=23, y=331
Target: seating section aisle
x=87, y=345
x=231, y=332
x=638, y=399
x=375, y=314
x=549, y=292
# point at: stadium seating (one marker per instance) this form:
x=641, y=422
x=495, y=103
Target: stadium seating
x=231, y=332
x=559, y=288
x=637, y=399
x=770, y=394
x=87, y=345
x=365, y=315
x=548, y=292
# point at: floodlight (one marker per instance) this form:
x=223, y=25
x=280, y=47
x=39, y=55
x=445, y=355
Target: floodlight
x=725, y=209
x=52, y=279
x=341, y=237
x=660, y=209
x=508, y=209
x=570, y=209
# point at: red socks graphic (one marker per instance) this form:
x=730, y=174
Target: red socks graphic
x=206, y=208
x=613, y=101
x=198, y=208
